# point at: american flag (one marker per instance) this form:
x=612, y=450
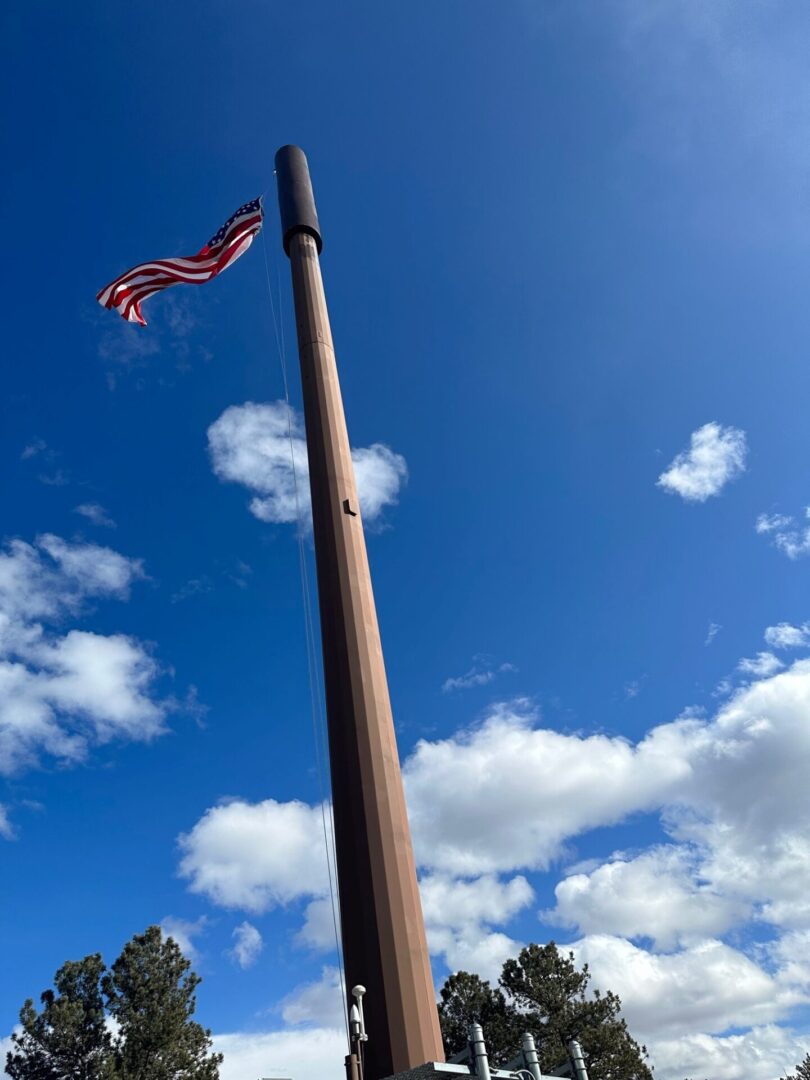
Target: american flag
x=127, y=292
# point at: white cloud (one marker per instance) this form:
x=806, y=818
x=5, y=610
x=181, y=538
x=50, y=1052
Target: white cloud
x=312, y=1053
x=481, y=673
x=761, y=666
x=448, y=901
x=655, y=895
x=248, y=945
x=715, y=456
x=184, y=931
x=713, y=631
x=707, y=987
x=788, y=537
x=304, y=1053
x=59, y=695
x=507, y=794
x=785, y=636
x=459, y=915
x=730, y=790
x=7, y=830
x=252, y=445
x=762, y=1053
x=380, y=473
x=794, y=542
x=255, y=856
x=476, y=948
x=319, y=1002
x=95, y=513
x=6, y=1046
x=53, y=577
x=771, y=871
x=318, y=931
x=791, y=954
x=767, y=523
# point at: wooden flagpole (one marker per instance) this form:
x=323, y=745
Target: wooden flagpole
x=383, y=932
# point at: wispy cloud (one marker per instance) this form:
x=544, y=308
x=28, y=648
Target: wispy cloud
x=768, y=523
x=716, y=455
x=96, y=514
x=193, y=587
x=712, y=632
x=481, y=673
x=7, y=830
x=37, y=446
x=316, y=1002
x=248, y=944
x=760, y=666
x=124, y=348
x=183, y=931
x=48, y=458
x=241, y=574
x=788, y=536
x=58, y=478
x=632, y=689
x=786, y=636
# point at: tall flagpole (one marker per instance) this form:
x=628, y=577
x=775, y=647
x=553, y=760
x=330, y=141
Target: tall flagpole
x=383, y=931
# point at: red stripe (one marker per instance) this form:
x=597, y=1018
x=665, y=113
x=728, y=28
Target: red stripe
x=125, y=299
x=204, y=259
x=158, y=273
x=158, y=266
x=147, y=287
x=205, y=263
x=137, y=299
x=162, y=280
x=161, y=274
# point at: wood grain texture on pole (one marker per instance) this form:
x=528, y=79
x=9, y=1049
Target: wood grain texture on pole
x=384, y=942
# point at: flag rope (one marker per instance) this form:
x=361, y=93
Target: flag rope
x=316, y=697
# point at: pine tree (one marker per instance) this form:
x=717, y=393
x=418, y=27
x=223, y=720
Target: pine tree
x=802, y=1071
x=542, y=991
x=68, y=1039
x=150, y=993
x=467, y=999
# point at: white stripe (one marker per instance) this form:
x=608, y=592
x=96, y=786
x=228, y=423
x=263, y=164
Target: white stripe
x=138, y=271
x=170, y=272
x=155, y=279
x=193, y=272
x=145, y=292
x=240, y=250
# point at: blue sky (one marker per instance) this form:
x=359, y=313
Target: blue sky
x=561, y=239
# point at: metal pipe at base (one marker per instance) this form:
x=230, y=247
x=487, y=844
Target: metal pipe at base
x=478, y=1052
x=578, y=1061
x=528, y=1052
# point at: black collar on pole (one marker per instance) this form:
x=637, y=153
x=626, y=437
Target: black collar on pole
x=295, y=199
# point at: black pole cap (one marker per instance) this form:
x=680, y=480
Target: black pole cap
x=295, y=199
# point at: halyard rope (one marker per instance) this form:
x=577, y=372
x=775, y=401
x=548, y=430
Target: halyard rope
x=316, y=698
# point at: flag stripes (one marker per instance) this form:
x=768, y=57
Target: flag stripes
x=126, y=293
